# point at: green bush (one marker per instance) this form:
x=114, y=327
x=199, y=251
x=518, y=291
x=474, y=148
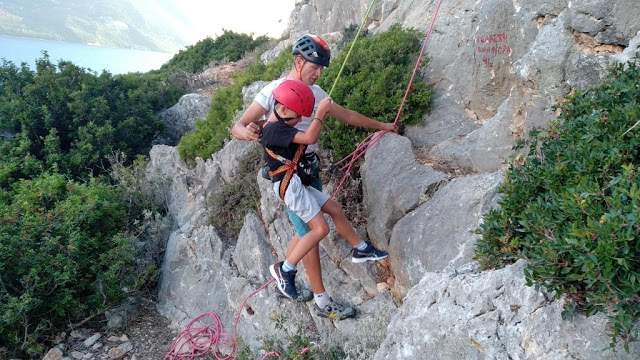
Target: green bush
x=373, y=83
x=571, y=204
x=229, y=46
x=210, y=134
x=68, y=120
x=64, y=253
x=66, y=236
x=294, y=344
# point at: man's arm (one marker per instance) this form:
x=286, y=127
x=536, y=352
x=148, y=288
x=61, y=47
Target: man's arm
x=354, y=118
x=246, y=128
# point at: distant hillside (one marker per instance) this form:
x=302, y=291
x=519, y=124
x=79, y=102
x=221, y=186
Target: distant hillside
x=109, y=23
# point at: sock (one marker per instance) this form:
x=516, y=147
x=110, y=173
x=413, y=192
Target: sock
x=287, y=266
x=321, y=299
x=361, y=246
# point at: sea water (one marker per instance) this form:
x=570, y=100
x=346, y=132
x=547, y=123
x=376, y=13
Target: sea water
x=95, y=58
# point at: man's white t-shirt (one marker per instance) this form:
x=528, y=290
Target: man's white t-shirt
x=265, y=99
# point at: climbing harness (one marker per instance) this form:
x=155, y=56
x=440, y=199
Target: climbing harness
x=288, y=168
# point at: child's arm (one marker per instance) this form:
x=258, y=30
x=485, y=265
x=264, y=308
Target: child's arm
x=313, y=132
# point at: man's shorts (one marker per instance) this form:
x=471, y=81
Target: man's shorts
x=304, y=201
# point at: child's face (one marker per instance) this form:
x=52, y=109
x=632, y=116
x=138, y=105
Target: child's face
x=295, y=121
x=290, y=117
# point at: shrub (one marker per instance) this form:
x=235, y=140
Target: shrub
x=571, y=204
x=295, y=342
x=229, y=46
x=210, y=134
x=69, y=120
x=373, y=83
x=64, y=253
x=67, y=247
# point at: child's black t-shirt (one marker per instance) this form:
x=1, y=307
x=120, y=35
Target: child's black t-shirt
x=277, y=136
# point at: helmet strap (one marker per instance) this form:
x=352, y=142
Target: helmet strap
x=301, y=66
x=275, y=112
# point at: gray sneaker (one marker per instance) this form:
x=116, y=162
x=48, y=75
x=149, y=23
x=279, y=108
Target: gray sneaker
x=335, y=311
x=304, y=294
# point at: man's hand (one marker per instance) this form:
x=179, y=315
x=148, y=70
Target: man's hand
x=247, y=128
x=251, y=132
x=389, y=127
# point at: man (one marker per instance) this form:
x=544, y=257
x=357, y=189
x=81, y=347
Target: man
x=310, y=56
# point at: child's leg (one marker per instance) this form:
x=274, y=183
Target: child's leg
x=361, y=251
x=311, y=263
x=319, y=229
x=340, y=220
x=308, y=208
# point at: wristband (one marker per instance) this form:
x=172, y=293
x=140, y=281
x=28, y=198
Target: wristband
x=317, y=118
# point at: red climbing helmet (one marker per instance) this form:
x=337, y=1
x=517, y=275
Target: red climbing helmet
x=295, y=95
x=313, y=49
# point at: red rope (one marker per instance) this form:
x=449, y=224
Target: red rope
x=372, y=139
x=194, y=342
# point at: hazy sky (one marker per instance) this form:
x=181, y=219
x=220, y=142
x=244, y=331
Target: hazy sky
x=197, y=19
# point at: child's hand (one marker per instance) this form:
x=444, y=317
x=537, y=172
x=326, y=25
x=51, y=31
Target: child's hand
x=323, y=108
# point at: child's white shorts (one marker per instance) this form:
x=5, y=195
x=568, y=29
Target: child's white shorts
x=305, y=201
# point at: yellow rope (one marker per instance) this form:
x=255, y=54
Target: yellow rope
x=353, y=43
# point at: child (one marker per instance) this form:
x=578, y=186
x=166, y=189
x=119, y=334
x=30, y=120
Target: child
x=285, y=145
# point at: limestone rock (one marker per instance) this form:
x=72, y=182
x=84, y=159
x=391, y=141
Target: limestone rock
x=393, y=184
x=496, y=67
x=492, y=315
x=438, y=235
x=92, y=340
x=181, y=118
x=53, y=354
x=252, y=254
x=230, y=156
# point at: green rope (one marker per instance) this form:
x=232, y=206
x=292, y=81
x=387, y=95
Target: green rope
x=351, y=48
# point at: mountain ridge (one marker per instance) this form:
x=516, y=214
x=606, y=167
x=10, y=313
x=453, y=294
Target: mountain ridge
x=106, y=23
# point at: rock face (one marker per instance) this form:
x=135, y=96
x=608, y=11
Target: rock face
x=181, y=118
x=491, y=315
x=497, y=67
x=322, y=17
x=201, y=273
x=438, y=234
x=389, y=201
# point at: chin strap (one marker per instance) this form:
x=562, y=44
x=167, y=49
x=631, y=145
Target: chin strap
x=300, y=71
